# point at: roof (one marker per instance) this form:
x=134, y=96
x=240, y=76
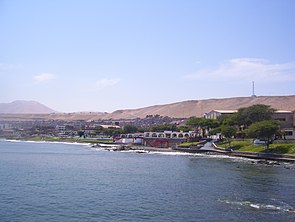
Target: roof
x=224, y=111
x=283, y=111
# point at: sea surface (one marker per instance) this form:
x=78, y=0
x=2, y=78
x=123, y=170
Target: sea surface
x=72, y=182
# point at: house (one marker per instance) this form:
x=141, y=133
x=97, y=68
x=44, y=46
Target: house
x=214, y=114
x=5, y=126
x=60, y=128
x=286, y=120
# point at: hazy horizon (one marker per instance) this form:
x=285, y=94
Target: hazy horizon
x=102, y=56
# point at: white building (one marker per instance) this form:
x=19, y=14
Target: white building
x=169, y=134
x=214, y=114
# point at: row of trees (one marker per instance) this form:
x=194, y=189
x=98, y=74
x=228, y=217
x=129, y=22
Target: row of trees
x=254, y=122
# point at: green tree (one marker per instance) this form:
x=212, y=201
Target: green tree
x=252, y=114
x=231, y=120
x=193, y=121
x=215, y=130
x=112, y=131
x=228, y=132
x=163, y=127
x=264, y=130
x=81, y=133
x=130, y=129
x=184, y=128
x=203, y=123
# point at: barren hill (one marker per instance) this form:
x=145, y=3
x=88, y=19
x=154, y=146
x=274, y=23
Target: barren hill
x=180, y=109
x=24, y=107
x=199, y=107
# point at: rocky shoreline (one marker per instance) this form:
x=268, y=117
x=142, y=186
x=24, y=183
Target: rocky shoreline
x=252, y=155
x=261, y=158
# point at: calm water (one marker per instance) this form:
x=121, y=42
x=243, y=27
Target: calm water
x=62, y=182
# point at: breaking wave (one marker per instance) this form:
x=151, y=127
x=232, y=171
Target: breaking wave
x=260, y=206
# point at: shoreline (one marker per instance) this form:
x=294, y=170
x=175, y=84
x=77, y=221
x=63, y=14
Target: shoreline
x=256, y=155
x=264, y=157
x=130, y=147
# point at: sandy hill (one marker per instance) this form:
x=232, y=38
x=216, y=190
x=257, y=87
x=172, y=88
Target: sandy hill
x=24, y=107
x=199, y=107
x=180, y=109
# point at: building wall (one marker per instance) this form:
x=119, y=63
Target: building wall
x=162, y=142
x=289, y=134
x=4, y=126
x=285, y=119
x=214, y=114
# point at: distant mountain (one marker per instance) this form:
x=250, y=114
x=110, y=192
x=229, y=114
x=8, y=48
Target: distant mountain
x=183, y=109
x=24, y=107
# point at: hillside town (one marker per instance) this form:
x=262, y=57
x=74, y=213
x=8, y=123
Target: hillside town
x=152, y=131
x=66, y=128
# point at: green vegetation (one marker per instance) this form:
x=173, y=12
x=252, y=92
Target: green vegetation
x=252, y=114
x=248, y=146
x=188, y=144
x=250, y=122
x=163, y=127
x=49, y=139
x=130, y=129
x=205, y=124
x=228, y=131
x=263, y=129
x=94, y=141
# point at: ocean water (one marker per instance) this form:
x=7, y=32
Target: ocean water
x=72, y=182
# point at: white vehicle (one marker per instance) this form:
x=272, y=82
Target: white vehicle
x=260, y=142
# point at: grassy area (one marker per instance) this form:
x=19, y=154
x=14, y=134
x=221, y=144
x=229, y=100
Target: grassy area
x=248, y=146
x=49, y=139
x=94, y=141
x=188, y=144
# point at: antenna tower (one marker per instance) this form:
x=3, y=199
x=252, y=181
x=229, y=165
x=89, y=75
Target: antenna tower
x=253, y=89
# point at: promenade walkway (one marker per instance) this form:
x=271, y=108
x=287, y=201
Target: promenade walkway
x=208, y=147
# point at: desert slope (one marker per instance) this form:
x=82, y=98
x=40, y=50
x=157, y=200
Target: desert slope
x=183, y=109
x=199, y=107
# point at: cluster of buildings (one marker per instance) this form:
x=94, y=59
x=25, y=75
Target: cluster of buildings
x=64, y=128
x=51, y=128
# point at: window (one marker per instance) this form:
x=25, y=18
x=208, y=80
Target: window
x=281, y=119
x=288, y=133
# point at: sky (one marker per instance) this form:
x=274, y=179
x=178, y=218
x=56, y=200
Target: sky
x=106, y=55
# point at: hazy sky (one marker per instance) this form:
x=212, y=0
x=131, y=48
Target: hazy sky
x=115, y=54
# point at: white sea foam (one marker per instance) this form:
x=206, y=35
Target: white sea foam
x=47, y=142
x=260, y=206
x=135, y=151
x=107, y=145
x=13, y=141
x=254, y=206
x=176, y=153
x=171, y=153
x=70, y=143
